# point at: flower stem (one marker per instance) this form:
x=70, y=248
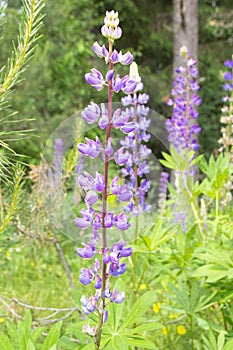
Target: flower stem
x=104, y=210
x=136, y=203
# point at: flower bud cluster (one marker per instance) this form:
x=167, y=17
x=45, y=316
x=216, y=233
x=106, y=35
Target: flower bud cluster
x=182, y=127
x=110, y=29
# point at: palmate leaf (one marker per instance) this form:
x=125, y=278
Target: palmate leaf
x=138, y=309
x=194, y=301
x=218, y=265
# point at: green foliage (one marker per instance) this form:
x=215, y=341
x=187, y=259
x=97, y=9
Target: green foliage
x=23, y=337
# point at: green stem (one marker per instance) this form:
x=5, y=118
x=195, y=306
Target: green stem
x=99, y=329
x=191, y=329
x=135, y=289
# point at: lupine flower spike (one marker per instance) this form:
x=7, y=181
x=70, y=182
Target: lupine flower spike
x=136, y=166
x=226, y=140
x=183, y=127
x=97, y=187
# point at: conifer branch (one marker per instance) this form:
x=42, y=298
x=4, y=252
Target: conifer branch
x=28, y=35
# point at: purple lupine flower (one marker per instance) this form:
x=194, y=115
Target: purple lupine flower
x=108, y=220
x=99, y=182
x=86, y=276
x=100, y=51
x=125, y=194
x=85, y=221
x=117, y=270
x=91, y=148
x=228, y=63
x=128, y=85
x=91, y=113
x=117, y=297
x=108, y=148
x=110, y=75
x=121, y=156
x=98, y=282
x=91, y=197
x=87, y=252
x=95, y=79
x=125, y=59
x=103, y=121
x=121, y=222
x=115, y=187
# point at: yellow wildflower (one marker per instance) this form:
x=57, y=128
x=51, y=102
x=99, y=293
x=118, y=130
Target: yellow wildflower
x=2, y=320
x=173, y=316
x=142, y=286
x=212, y=22
x=165, y=330
x=32, y=264
x=156, y=307
x=181, y=329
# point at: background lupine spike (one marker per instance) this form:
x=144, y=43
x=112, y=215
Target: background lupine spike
x=182, y=127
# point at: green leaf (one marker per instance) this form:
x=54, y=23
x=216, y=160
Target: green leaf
x=151, y=326
x=76, y=295
x=52, y=337
x=5, y=343
x=229, y=345
x=139, y=308
x=119, y=343
x=115, y=310
x=141, y=343
x=54, y=347
x=211, y=271
x=221, y=340
x=24, y=335
x=28, y=320
x=167, y=164
x=36, y=333
x=30, y=345
x=66, y=343
x=202, y=323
